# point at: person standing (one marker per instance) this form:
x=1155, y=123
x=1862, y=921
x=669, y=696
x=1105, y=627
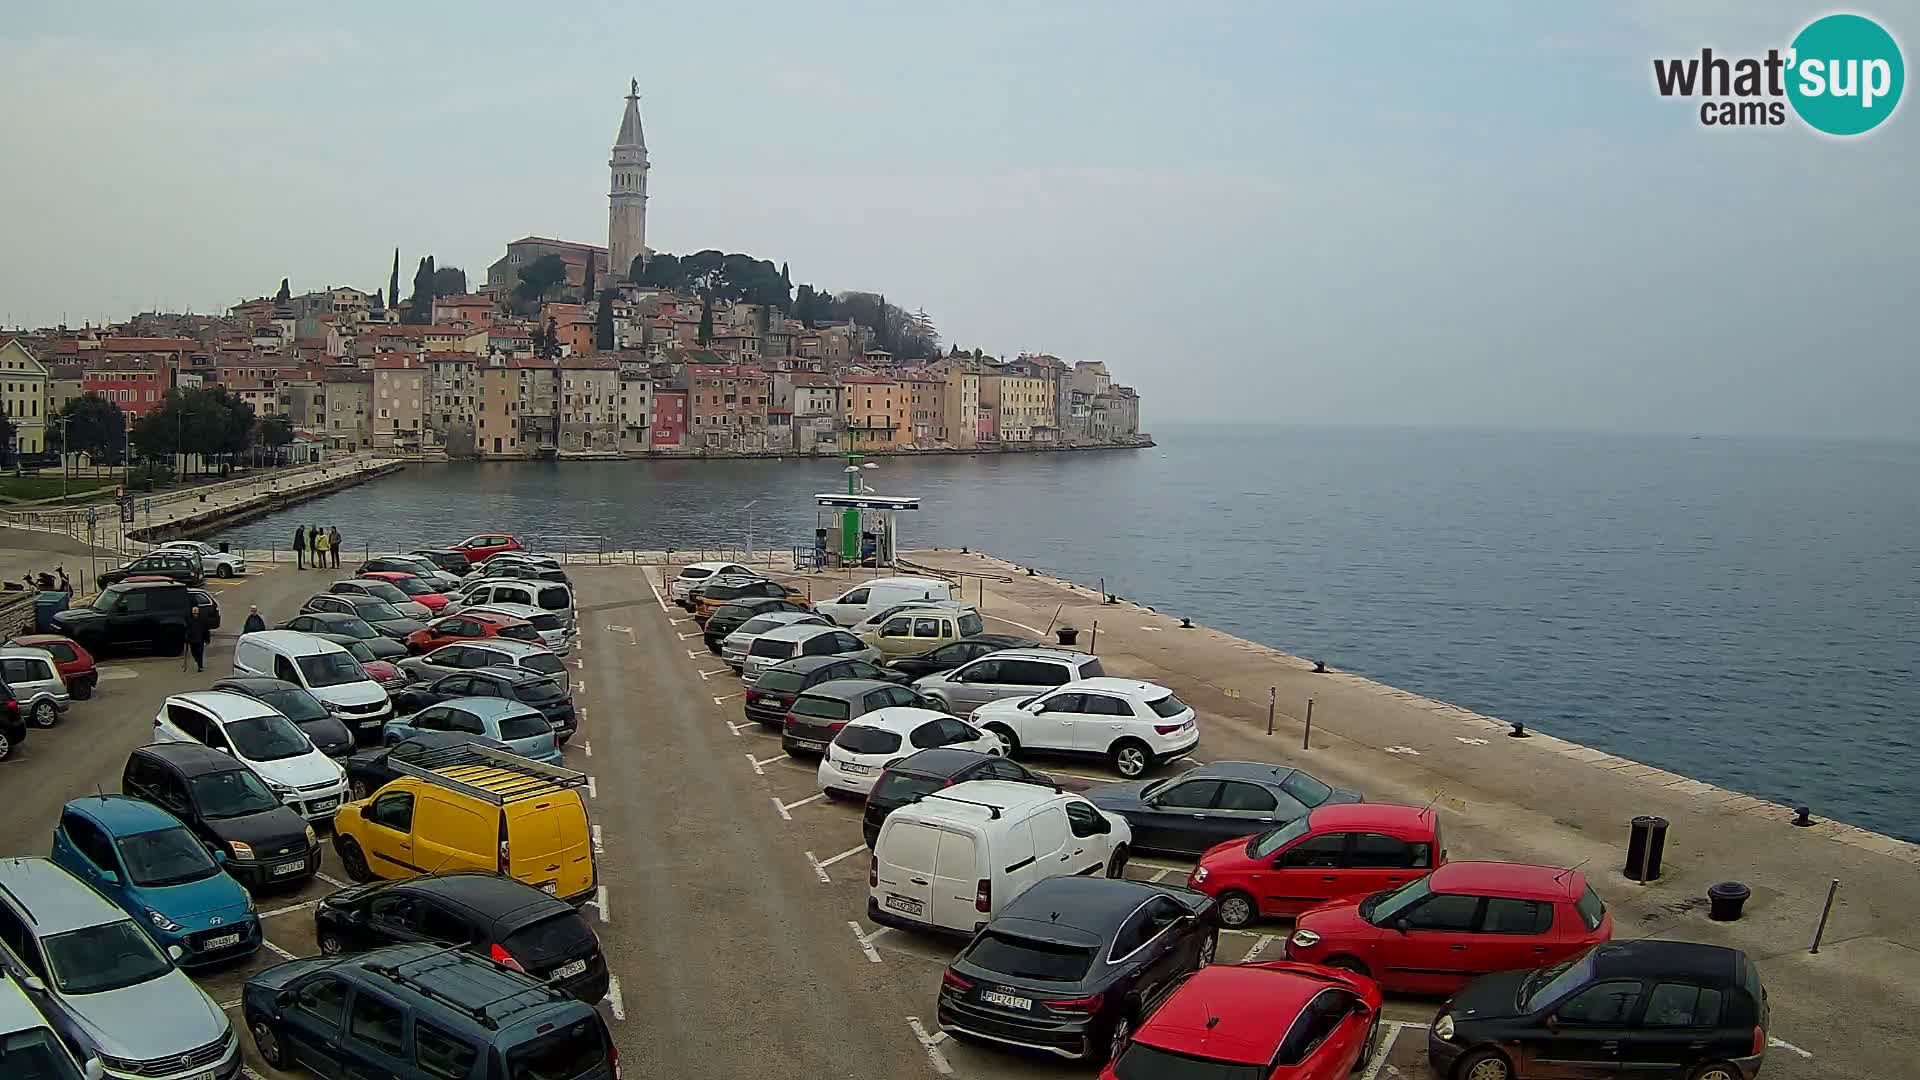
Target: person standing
x=313, y=545
x=321, y=547
x=333, y=544
x=197, y=636
x=254, y=623
x=300, y=545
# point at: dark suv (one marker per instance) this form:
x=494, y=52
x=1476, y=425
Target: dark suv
x=181, y=566
x=229, y=808
x=919, y=774
x=818, y=713
x=772, y=694
x=144, y=613
x=514, y=684
x=423, y=1012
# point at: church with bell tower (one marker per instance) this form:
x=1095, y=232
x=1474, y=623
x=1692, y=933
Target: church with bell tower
x=627, y=195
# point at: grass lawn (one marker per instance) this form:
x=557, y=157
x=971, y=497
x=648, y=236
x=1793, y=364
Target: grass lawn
x=47, y=486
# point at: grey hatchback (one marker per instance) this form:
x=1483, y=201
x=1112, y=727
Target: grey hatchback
x=819, y=712
x=36, y=684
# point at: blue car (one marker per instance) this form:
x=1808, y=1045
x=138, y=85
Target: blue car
x=143, y=859
x=519, y=726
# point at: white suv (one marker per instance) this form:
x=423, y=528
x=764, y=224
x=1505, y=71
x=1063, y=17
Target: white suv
x=262, y=739
x=1134, y=725
x=681, y=587
x=218, y=563
x=864, y=748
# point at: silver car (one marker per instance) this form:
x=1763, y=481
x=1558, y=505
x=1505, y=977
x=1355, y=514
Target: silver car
x=1004, y=674
x=98, y=976
x=733, y=647
x=36, y=684
x=786, y=642
x=555, y=632
x=486, y=652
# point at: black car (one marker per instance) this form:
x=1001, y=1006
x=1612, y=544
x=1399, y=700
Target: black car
x=1073, y=963
x=1647, y=1008
x=453, y=562
x=514, y=684
x=907, y=780
x=770, y=696
x=13, y=725
x=729, y=589
x=382, y=646
x=181, y=566
x=820, y=711
x=954, y=653
x=296, y=703
x=1210, y=804
x=229, y=808
x=151, y=614
x=730, y=617
x=370, y=771
x=511, y=923
x=377, y=613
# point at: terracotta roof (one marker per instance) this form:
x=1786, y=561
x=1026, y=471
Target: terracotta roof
x=147, y=344
x=869, y=380
x=558, y=243
x=725, y=371
x=396, y=363
x=589, y=363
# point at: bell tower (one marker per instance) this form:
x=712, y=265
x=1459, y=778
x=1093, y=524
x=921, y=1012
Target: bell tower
x=627, y=195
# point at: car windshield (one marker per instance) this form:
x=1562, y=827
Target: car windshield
x=1592, y=909
x=1273, y=840
x=165, y=857
x=1022, y=958
x=331, y=669
x=821, y=707
x=1309, y=791
x=523, y=726
x=231, y=794
x=545, y=621
x=775, y=681
x=773, y=648
x=1167, y=706
x=267, y=738
x=111, y=956
x=1549, y=984
x=296, y=704
x=539, y=692
x=1142, y=1062
x=352, y=626
x=1382, y=908
x=374, y=610
x=411, y=586
x=560, y=1055
x=543, y=662
x=34, y=1054
x=905, y=787
x=107, y=599
x=361, y=651
x=864, y=739
x=555, y=598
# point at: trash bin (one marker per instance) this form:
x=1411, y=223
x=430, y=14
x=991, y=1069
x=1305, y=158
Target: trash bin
x=1645, y=845
x=224, y=549
x=44, y=607
x=1725, y=901
x=1067, y=635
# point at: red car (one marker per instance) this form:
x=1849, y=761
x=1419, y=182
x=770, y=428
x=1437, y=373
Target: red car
x=417, y=590
x=73, y=662
x=1436, y=933
x=1271, y=1021
x=1337, y=851
x=480, y=548
x=470, y=626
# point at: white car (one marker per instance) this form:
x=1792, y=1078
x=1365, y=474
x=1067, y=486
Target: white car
x=555, y=632
x=856, y=756
x=218, y=563
x=804, y=639
x=1134, y=725
x=261, y=738
x=680, y=589
x=733, y=647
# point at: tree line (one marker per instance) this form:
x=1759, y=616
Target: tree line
x=206, y=421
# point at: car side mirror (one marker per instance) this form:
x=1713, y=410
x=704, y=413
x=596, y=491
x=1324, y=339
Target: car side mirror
x=108, y=877
x=284, y=998
x=1552, y=1021
x=175, y=953
x=33, y=983
x=1401, y=926
x=357, y=917
x=1361, y=1008
x=94, y=1070
x=219, y=856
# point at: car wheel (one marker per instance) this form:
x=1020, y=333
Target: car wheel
x=6, y=746
x=1718, y=1070
x=1347, y=963
x=1370, y=1047
x=268, y=1043
x=354, y=863
x=1208, y=949
x=223, y=570
x=1117, y=1038
x=1131, y=758
x=1484, y=1065
x=1237, y=909
x=1005, y=733
x=82, y=691
x=358, y=790
x=45, y=715
x=1117, y=863
x=331, y=945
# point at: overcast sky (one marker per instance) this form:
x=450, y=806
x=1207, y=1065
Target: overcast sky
x=1470, y=215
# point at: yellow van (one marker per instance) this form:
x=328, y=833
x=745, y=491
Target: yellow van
x=470, y=807
x=910, y=630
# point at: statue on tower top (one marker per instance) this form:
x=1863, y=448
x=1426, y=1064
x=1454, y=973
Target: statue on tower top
x=633, y=88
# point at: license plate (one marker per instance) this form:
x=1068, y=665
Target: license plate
x=902, y=904
x=810, y=744
x=854, y=768
x=568, y=971
x=325, y=804
x=551, y=888
x=371, y=723
x=208, y=1075
x=1010, y=1001
x=289, y=868
x=222, y=941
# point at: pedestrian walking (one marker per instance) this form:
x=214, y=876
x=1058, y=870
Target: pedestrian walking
x=197, y=636
x=322, y=546
x=254, y=623
x=333, y=544
x=300, y=545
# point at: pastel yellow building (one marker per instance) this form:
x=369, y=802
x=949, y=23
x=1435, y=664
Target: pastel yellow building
x=23, y=396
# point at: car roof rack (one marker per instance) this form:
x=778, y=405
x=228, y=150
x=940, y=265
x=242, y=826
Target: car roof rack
x=993, y=812
x=405, y=971
x=531, y=779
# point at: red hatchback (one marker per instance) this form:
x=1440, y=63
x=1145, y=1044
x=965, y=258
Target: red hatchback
x=1272, y=1021
x=1436, y=933
x=470, y=626
x=486, y=545
x=73, y=662
x=416, y=589
x=1336, y=851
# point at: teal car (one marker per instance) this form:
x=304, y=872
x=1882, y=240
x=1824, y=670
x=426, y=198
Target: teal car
x=144, y=860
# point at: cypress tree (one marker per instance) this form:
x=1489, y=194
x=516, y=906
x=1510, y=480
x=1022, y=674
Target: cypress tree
x=393, y=282
x=603, y=323
x=285, y=293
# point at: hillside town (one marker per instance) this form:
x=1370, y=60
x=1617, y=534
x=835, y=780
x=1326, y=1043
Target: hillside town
x=572, y=350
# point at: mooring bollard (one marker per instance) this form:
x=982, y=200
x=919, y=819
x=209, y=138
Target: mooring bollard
x=1646, y=844
x=1821, y=930
x=1273, y=692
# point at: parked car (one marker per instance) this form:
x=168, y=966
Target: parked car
x=1208, y=804
x=1275, y=1020
x=491, y=652
x=1072, y=964
x=1335, y=852
x=716, y=592
x=506, y=566
x=322, y=668
x=470, y=626
x=525, y=558
x=787, y=642
x=383, y=672
x=519, y=727
x=819, y=713
x=409, y=564
x=771, y=695
x=855, y=604
x=926, y=771
x=181, y=566
x=138, y=1013
x=342, y=624
x=955, y=653
x=141, y=858
x=1658, y=1009
x=1133, y=725
x=369, y=770
x=295, y=702
x=415, y=588
x=379, y=614
x=73, y=661
x=221, y=564
x=29, y=1048
x=257, y=736
x=470, y=807
x=881, y=615
x=1437, y=932
x=446, y=560
x=679, y=590
x=549, y=596
x=152, y=614
x=478, y=548
x=34, y=678
x=549, y=629
x=422, y=1012
x=515, y=925
x=229, y=808
x=1007, y=673
x=919, y=628
x=382, y=590
x=947, y=862
x=866, y=746
x=726, y=633
x=538, y=692
x=13, y=726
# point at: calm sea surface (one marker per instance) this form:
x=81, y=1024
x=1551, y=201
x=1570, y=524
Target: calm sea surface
x=1743, y=611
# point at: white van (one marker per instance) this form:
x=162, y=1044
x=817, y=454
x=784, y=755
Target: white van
x=949, y=861
x=325, y=669
x=854, y=605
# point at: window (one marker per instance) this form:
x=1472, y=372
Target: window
x=1323, y=852
x=1131, y=935
x=1510, y=916
x=440, y=1054
x=1446, y=911
x=20, y=669
x=1242, y=797
x=1315, y=1022
x=393, y=810
x=1682, y=1005
x=1372, y=851
x=1190, y=795
x=954, y=731
x=1602, y=1004
x=1309, y=791
x=1082, y=819
x=190, y=723
x=87, y=838
x=857, y=596
x=1591, y=908
x=927, y=628
x=377, y=1024
x=324, y=999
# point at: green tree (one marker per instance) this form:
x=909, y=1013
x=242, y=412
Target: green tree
x=449, y=281
x=539, y=277
x=603, y=323
x=156, y=435
x=706, y=316
x=94, y=426
x=420, y=287
x=7, y=434
x=393, y=281
x=275, y=433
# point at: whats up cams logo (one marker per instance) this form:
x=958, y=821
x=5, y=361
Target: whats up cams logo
x=1842, y=75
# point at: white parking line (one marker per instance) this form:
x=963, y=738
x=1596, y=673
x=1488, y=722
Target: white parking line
x=850, y=852
x=931, y=1044
x=657, y=598
x=1034, y=630
x=614, y=1001
x=598, y=846
x=277, y=950
x=229, y=1006
x=819, y=869
x=1785, y=1045
x=1259, y=947
x=695, y=634
x=600, y=903
x=816, y=797
x=873, y=955
x=780, y=808
x=1134, y=860
x=715, y=671
x=1084, y=776
x=289, y=910
x=587, y=745
x=760, y=764
x=735, y=728
x=593, y=791
x=691, y=655
x=1159, y=875
x=335, y=882
x=724, y=697
x=1379, y=1059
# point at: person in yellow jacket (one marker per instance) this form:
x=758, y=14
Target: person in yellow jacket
x=321, y=543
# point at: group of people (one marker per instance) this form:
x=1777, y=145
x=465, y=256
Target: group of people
x=321, y=545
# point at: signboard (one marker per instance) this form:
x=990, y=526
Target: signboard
x=126, y=509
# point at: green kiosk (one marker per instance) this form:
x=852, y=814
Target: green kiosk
x=858, y=530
